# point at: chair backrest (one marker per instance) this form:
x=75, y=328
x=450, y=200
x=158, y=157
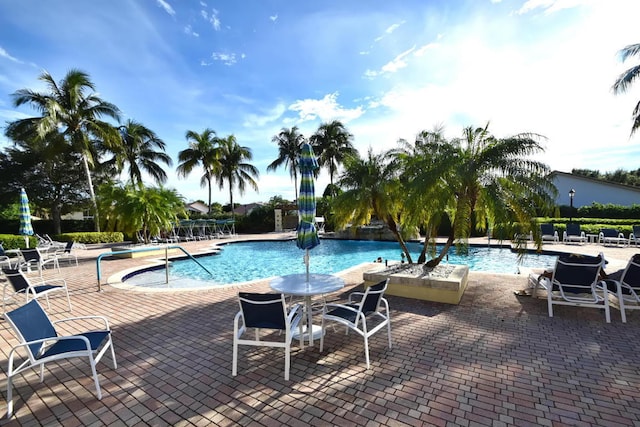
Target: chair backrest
x=636, y=231
x=576, y=273
x=609, y=232
x=31, y=323
x=546, y=229
x=31, y=254
x=372, y=297
x=18, y=281
x=631, y=274
x=2, y=253
x=573, y=229
x=263, y=310
x=68, y=247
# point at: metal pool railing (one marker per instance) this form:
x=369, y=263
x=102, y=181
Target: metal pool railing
x=130, y=251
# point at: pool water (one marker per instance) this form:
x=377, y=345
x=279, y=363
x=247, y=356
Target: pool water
x=246, y=261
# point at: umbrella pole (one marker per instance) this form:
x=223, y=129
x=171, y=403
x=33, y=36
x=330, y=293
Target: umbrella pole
x=306, y=262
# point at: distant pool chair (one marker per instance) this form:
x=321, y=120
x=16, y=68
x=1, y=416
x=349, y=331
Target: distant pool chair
x=548, y=233
x=573, y=234
x=634, y=236
x=35, y=257
x=611, y=236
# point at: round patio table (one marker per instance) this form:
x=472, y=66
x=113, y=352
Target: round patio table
x=307, y=286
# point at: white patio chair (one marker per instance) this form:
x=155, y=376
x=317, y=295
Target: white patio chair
x=40, y=343
x=19, y=285
x=576, y=281
x=266, y=311
x=354, y=316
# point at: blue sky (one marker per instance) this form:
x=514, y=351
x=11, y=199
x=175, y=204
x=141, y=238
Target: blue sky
x=387, y=69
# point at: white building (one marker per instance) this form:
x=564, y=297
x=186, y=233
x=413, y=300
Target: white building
x=590, y=190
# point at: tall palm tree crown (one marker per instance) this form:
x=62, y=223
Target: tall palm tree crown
x=204, y=151
x=625, y=80
x=233, y=168
x=289, y=148
x=141, y=150
x=332, y=144
x=74, y=109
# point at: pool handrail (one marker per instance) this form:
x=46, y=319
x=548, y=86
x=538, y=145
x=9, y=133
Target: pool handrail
x=130, y=251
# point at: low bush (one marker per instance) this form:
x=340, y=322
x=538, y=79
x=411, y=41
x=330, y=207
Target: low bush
x=91, y=237
x=14, y=241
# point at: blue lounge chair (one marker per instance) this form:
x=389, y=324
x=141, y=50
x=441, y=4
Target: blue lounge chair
x=611, y=236
x=576, y=281
x=574, y=234
x=42, y=344
x=21, y=285
x=634, y=236
x=627, y=287
x=548, y=233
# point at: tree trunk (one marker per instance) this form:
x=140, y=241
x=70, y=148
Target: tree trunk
x=209, y=181
x=233, y=215
x=423, y=253
x=394, y=229
x=295, y=183
x=434, y=262
x=56, y=217
x=96, y=218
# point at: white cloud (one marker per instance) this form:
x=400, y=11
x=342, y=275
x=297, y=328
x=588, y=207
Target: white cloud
x=5, y=54
x=398, y=62
x=274, y=18
x=188, y=30
x=214, y=20
x=549, y=6
x=325, y=109
x=255, y=120
x=226, y=58
x=166, y=6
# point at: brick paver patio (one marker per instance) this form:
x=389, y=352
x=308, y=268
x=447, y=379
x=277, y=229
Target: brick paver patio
x=496, y=359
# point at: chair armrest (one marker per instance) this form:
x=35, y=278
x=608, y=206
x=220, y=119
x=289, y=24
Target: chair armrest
x=73, y=319
x=343, y=306
x=355, y=294
x=296, y=310
x=36, y=282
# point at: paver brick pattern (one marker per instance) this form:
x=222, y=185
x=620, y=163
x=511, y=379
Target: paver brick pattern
x=493, y=360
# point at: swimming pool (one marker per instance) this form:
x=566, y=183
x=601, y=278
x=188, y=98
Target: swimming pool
x=246, y=261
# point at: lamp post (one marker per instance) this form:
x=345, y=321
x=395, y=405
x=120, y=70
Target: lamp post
x=572, y=193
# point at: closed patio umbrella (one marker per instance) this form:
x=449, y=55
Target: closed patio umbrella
x=26, y=229
x=307, y=235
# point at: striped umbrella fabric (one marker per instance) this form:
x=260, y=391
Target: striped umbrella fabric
x=307, y=235
x=25, y=216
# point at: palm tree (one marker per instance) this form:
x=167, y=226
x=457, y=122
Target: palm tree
x=371, y=188
x=203, y=151
x=69, y=109
x=233, y=168
x=289, y=146
x=625, y=80
x=138, y=152
x=480, y=181
x=134, y=208
x=332, y=144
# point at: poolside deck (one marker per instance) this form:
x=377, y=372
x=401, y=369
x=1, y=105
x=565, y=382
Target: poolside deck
x=495, y=359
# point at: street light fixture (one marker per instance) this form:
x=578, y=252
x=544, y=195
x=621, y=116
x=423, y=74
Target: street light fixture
x=572, y=193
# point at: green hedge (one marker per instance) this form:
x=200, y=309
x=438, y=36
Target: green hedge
x=13, y=241
x=91, y=237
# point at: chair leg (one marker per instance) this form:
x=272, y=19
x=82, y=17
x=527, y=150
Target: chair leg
x=234, y=363
x=366, y=350
x=68, y=299
x=92, y=362
x=607, y=311
x=389, y=331
x=322, y=334
x=287, y=361
x=9, y=395
x=623, y=315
